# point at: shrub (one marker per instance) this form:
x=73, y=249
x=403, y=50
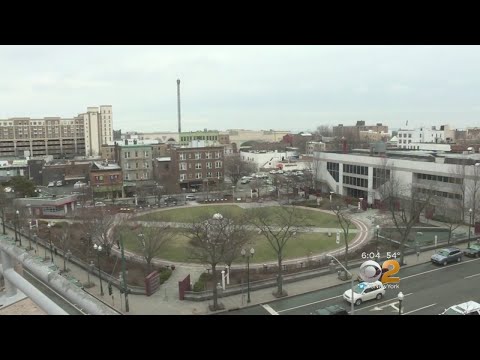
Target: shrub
x=200, y=284
x=165, y=275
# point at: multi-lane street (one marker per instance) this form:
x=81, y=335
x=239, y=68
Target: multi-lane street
x=428, y=290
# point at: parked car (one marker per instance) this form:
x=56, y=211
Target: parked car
x=99, y=203
x=51, y=184
x=473, y=250
x=169, y=200
x=59, y=183
x=467, y=308
x=126, y=210
x=79, y=185
x=330, y=310
x=447, y=255
x=245, y=181
x=190, y=198
x=364, y=292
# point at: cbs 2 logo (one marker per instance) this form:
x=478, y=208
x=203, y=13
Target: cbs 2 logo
x=389, y=268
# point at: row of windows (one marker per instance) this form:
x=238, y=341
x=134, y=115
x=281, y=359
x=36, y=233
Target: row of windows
x=404, y=141
x=145, y=165
x=350, y=180
x=355, y=169
x=202, y=137
x=198, y=166
x=127, y=154
x=334, y=169
x=183, y=177
x=405, y=135
x=440, y=193
x=198, y=156
x=101, y=177
x=137, y=176
x=445, y=179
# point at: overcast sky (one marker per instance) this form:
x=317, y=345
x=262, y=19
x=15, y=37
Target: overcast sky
x=251, y=87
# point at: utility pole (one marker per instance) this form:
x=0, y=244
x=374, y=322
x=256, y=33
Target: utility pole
x=127, y=308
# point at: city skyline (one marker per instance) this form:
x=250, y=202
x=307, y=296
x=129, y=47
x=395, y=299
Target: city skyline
x=251, y=87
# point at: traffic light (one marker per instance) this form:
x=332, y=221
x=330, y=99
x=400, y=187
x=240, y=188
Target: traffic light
x=110, y=290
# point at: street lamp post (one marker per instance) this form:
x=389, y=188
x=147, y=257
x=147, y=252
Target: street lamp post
x=351, y=283
x=248, y=254
x=400, y=298
x=469, y=225
x=35, y=239
x=49, y=226
x=377, y=228
x=98, y=248
x=17, y=236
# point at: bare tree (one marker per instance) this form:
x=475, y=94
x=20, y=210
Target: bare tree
x=474, y=189
x=345, y=221
x=278, y=228
x=3, y=206
x=96, y=223
x=235, y=168
x=215, y=240
x=461, y=172
x=404, y=204
x=153, y=241
x=449, y=212
x=325, y=130
x=312, y=172
x=63, y=238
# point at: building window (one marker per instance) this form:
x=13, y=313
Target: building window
x=136, y=153
x=198, y=156
x=198, y=166
x=136, y=176
x=126, y=177
x=146, y=153
x=136, y=165
x=333, y=169
x=183, y=177
x=198, y=175
x=209, y=174
x=218, y=164
x=217, y=154
x=183, y=166
x=183, y=156
x=209, y=165
x=219, y=174
x=208, y=155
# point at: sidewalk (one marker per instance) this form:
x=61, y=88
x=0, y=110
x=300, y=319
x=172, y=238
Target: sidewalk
x=166, y=302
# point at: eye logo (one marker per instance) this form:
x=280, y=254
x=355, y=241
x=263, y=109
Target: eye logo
x=370, y=271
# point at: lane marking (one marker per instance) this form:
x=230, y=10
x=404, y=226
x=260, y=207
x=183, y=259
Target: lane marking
x=467, y=277
x=424, y=307
x=269, y=309
x=315, y=302
x=442, y=268
x=383, y=302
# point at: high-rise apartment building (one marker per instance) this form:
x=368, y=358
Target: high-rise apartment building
x=59, y=137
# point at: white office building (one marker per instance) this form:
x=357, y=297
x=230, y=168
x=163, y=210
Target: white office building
x=360, y=174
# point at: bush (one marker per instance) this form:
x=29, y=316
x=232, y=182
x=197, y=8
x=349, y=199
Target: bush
x=200, y=284
x=165, y=275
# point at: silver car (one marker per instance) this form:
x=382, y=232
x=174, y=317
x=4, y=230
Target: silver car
x=447, y=255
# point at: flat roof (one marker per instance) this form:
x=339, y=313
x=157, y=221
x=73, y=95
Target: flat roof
x=164, y=158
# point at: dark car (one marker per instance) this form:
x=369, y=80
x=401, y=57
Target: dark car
x=447, y=255
x=331, y=310
x=170, y=201
x=473, y=250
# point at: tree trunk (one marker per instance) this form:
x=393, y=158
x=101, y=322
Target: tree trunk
x=280, y=277
x=215, y=293
x=149, y=266
x=402, y=248
x=346, y=250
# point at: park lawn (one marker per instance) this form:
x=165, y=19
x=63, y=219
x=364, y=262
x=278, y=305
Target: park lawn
x=184, y=215
x=179, y=249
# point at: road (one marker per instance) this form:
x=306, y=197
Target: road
x=429, y=289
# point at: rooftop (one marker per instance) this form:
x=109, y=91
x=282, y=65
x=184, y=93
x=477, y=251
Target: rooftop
x=107, y=166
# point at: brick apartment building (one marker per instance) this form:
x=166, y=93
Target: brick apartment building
x=196, y=167
x=106, y=180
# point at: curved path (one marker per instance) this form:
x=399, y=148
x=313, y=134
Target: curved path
x=362, y=236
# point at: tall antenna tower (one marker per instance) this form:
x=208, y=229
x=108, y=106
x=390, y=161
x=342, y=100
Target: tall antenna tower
x=178, y=107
